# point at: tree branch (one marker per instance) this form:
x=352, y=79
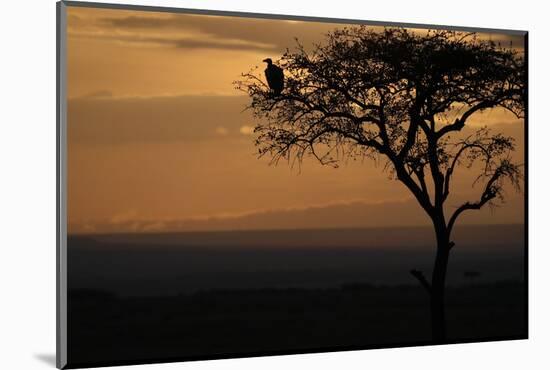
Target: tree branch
x=489, y=193
x=366, y=92
x=419, y=275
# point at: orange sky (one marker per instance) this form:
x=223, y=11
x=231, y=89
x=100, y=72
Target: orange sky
x=157, y=139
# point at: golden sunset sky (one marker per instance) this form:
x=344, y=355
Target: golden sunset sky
x=157, y=140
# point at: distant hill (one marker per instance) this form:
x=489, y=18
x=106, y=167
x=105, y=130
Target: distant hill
x=169, y=263
x=338, y=215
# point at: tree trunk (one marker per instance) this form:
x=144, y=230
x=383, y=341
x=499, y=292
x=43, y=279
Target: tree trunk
x=437, y=292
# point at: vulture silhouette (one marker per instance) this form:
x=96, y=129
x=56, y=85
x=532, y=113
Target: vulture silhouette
x=275, y=77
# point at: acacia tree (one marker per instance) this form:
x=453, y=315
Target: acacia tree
x=405, y=97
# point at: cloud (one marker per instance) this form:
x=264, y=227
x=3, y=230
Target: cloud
x=228, y=44
x=223, y=32
x=124, y=217
x=222, y=131
x=178, y=42
x=99, y=119
x=98, y=94
x=345, y=214
x=154, y=21
x=246, y=130
x=200, y=31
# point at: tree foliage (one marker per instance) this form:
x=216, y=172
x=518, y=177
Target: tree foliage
x=400, y=95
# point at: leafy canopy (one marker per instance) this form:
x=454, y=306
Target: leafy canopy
x=398, y=94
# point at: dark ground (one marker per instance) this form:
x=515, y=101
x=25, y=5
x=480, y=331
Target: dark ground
x=158, y=297
x=168, y=264
x=104, y=328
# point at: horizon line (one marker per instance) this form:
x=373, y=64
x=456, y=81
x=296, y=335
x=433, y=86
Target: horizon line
x=220, y=231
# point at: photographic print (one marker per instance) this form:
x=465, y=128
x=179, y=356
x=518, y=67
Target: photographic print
x=242, y=185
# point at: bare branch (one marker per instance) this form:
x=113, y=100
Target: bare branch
x=481, y=147
x=505, y=171
x=422, y=279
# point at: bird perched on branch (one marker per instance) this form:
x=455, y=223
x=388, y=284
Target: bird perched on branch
x=274, y=76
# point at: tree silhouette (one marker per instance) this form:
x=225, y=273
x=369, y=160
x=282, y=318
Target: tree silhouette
x=405, y=97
